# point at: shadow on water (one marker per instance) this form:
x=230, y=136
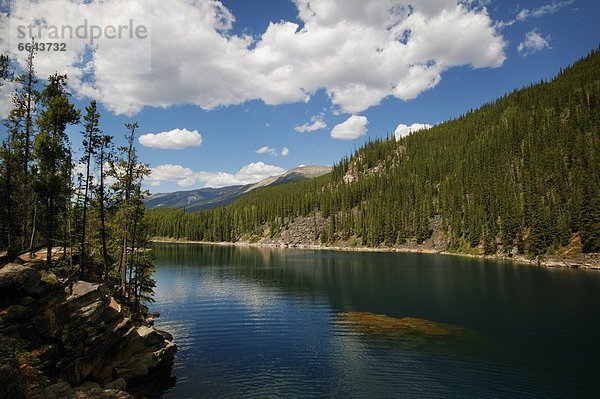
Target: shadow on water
x=153, y=385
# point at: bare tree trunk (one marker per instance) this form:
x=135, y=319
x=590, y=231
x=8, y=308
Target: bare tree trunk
x=83, y=260
x=9, y=201
x=33, y=227
x=28, y=135
x=49, y=220
x=103, y=218
x=122, y=269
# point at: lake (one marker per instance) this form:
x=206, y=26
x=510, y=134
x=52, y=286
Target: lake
x=268, y=322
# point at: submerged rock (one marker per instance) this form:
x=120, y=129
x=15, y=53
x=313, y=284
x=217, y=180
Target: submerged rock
x=420, y=334
x=393, y=327
x=406, y=327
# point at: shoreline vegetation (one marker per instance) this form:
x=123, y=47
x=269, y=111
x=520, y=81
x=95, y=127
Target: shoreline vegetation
x=584, y=261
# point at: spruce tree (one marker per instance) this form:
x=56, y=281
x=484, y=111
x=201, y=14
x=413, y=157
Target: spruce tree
x=91, y=141
x=52, y=152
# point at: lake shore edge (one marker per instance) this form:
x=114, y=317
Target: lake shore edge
x=591, y=263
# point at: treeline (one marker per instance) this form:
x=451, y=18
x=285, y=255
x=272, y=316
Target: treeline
x=520, y=174
x=90, y=208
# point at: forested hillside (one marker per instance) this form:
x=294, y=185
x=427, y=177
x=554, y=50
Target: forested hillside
x=520, y=174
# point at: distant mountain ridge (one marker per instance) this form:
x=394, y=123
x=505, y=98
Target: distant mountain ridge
x=209, y=197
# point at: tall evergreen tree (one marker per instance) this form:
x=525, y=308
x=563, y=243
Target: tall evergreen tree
x=16, y=181
x=52, y=152
x=104, y=157
x=91, y=141
x=129, y=174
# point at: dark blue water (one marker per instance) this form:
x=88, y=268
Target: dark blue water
x=257, y=322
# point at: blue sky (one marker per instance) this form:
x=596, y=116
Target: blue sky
x=219, y=82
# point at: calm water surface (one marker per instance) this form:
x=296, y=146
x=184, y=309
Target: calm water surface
x=257, y=322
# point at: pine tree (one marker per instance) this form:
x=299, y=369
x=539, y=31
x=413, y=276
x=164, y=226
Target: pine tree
x=91, y=142
x=16, y=156
x=52, y=152
x=129, y=174
x=104, y=157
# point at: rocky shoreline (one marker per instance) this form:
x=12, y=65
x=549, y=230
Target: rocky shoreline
x=73, y=340
x=587, y=261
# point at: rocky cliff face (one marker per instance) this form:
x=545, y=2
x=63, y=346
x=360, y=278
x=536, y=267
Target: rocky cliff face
x=71, y=335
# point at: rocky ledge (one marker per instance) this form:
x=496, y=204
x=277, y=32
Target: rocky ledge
x=73, y=341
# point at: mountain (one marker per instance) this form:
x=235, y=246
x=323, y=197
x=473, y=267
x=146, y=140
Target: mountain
x=293, y=175
x=518, y=176
x=208, y=198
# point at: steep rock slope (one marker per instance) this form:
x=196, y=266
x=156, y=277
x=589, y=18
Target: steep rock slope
x=71, y=334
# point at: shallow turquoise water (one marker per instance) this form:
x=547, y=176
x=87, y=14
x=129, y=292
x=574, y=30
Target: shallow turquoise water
x=257, y=322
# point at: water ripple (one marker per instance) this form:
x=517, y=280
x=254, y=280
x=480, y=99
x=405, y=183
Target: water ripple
x=252, y=330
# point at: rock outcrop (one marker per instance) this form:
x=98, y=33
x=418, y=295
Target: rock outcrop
x=62, y=390
x=72, y=335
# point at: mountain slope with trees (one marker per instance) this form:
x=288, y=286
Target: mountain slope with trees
x=520, y=175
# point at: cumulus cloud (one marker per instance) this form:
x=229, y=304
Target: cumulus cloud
x=404, y=130
x=176, y=139
x=285, y=152
x=267, y=150
x=357, y=51
x=186, y=177
x=316, y=123
x=351, y=129
x=533, y=43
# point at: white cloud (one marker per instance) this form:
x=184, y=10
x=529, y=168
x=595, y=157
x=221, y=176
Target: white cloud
x=186, y=177
x=316, y=123
x=251, y=173
x=6, y=92
x=404, y=130
x=273, y=151
x=267, y=150
x=176, y=139
x=526, y=13
x=475, y=3
x=549, y=8
x=358, y=51
x=533, y=42
x=351, y=129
